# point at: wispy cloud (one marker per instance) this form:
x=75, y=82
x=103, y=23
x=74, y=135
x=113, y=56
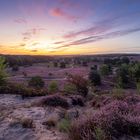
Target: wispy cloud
x=20, y=21
x=95, y=38
x=58, y=12
x=27, y=35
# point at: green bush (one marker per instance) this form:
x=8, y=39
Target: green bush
x=3, y=73
x=53, y=87
x=104, y=70
x=123, y=76
x=36, y=82
x=70, y=88
x=64, y=125
x=18, y=89
x=138, y=87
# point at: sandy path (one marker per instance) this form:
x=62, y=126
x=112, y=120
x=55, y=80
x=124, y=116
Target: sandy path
x=13, y=108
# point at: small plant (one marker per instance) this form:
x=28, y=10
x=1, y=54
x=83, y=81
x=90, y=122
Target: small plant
x=53, y=87
x=27, y=123
x=99, y=134
x=50, y=123
x=36, y=82
x=117, y=93
x=64, y=125
x=70, y=88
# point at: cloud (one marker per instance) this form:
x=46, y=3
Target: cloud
x=20, y=21
x=106, y=24
x=58, y=12
x=34, y=51
x=91, y=39
x=27, y=35
x=59, y=42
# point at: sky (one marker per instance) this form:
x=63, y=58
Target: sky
x=68, y=27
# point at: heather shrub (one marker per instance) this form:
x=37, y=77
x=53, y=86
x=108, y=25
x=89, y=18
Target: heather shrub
x=77, y=100
x=55, y=100
x=53, y=87
x=64, y=125
x=114, y=120
x=36, y=82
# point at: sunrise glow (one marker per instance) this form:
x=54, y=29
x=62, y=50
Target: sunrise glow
x=62, y=27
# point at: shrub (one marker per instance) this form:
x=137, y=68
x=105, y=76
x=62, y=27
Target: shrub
x=123, y=76
x=118, y=93
x=27, y=123
x=80, y=83
x=15, y=68
x=22, y=90
x=50, y=123
x=77, y=100
x=62, y=65
x=138, y=87
x=99, y=134
x=95, y=78
x=36, y=82
x=55, y=100
x=3, y=73
x=70, y=88
x=64, y=125
x=104, y=70
x=53, y=87
x=108, y=122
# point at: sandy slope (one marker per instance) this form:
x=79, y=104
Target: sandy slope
x=13, y=108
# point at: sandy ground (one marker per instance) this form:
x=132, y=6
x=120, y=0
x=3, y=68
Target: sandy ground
x=13, y=108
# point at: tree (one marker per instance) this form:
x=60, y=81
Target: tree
x=104, y=70
x=62, y=65
x=94, y=67
x=123, y=76
x=125, y=60
x=3, y=73
x=94, y=77
x=15, y=68
x=55, y=64
x=53, y=87
x=36, y=82
x=138, y=87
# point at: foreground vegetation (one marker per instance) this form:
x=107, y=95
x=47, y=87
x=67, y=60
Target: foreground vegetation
x=88, y=111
